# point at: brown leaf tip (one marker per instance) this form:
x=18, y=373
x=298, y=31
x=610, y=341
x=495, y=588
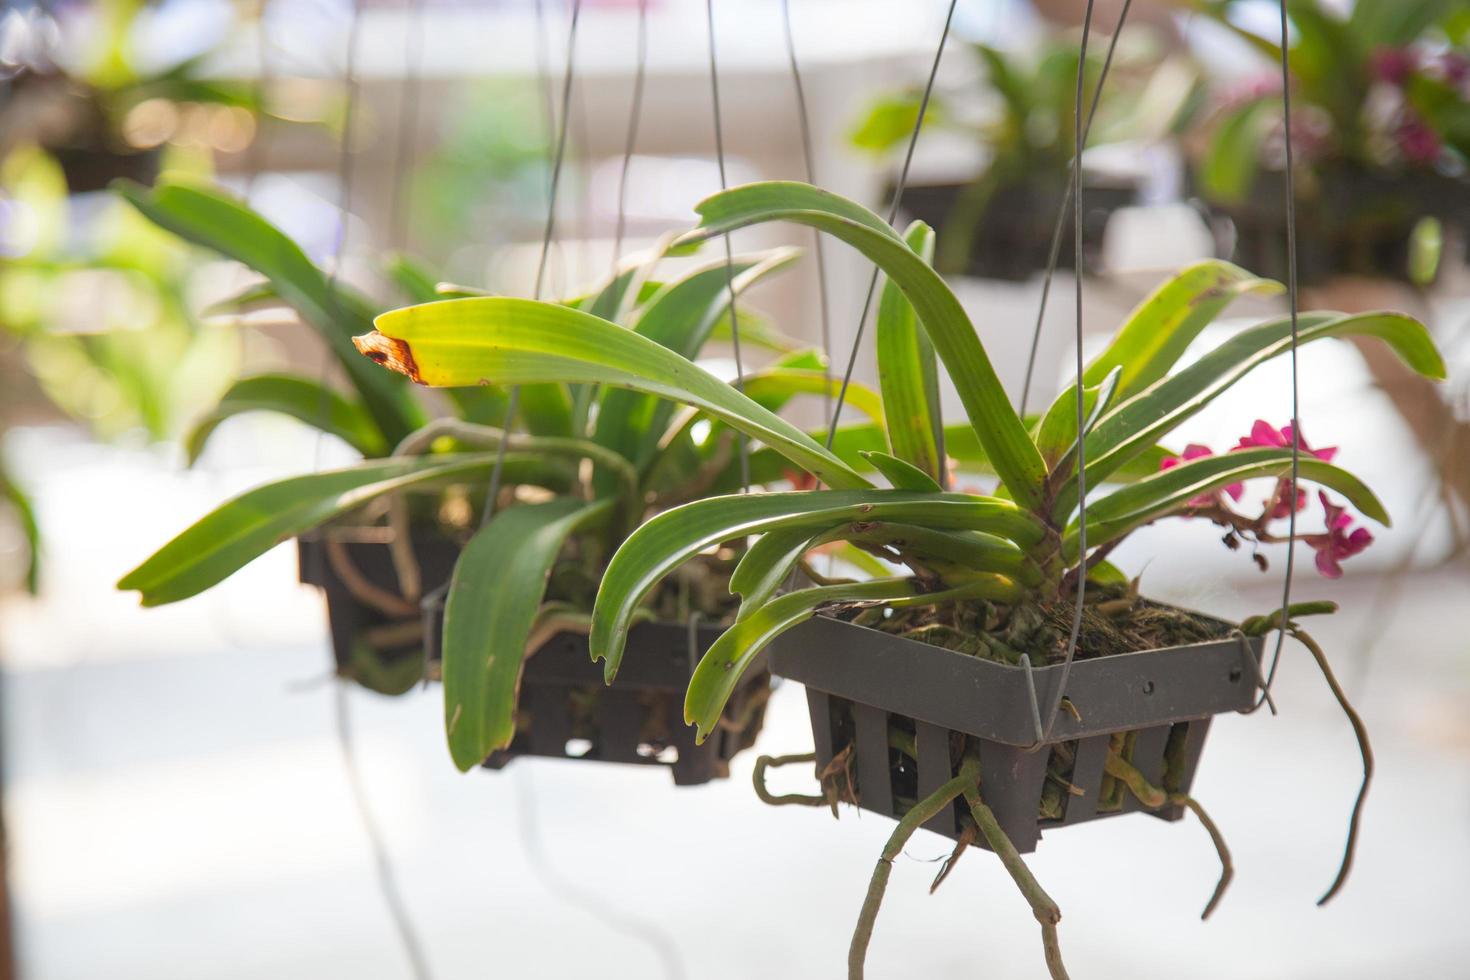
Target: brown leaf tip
x=393, y=354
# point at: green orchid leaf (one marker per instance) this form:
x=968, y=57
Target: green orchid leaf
x=1162, y=327
x=774, y=386
x=767, y=564
x=1056, y=436
x=246, y=527
x=301, y=398
x=515, y=341
x=907, y=371
x=1139, y=422
x=902, y=474
x=999, y=429
x=494, y=596
x=670, y=538
x=680, y=317
x=25, y=514
x=217, y=221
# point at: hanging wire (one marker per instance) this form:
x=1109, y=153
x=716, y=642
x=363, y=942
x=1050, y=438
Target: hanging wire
x=387, y=880
x=903, y=176
x=1296, y=422
x=809, y=163
x=256, y=158
x=571, y=892
x=1078, y=145
x=408, y=121
x=714, y=85
x=568, y=77
x=635, y=115
x=1056, y=232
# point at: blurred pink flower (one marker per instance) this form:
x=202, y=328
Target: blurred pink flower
x=1195, y=451
x=1456, y=67
x=1263, y=435
x=1337, y=543
x=1416, y=141
x=1391, y=64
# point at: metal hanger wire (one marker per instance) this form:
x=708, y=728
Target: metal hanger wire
x=903, y=176
x=742, y=439
x=568, y=77
x=1296, y=423
x=1054, y=256
x=808, y=157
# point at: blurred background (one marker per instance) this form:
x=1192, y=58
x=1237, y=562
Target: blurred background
x=180, y=795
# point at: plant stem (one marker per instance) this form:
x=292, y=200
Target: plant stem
x=1042, y=906
x=922, y=811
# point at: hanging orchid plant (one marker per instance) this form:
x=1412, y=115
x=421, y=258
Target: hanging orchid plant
x=1000, y=570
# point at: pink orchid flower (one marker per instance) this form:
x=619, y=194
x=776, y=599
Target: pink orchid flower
x=1263, y=434
x=1391, y=64
x=1337, y=543
x=1195, y=451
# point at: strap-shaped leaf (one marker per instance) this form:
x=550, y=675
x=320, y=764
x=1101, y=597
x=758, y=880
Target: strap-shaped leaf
x=766, y=565
x=25, y=515
x=1005, y=439
x=1169, y=490
x=680, y=317
x=907, y=373
x=1139, y=422
x=778, y=384
x=719, y=672
x=246, y=527
x=1056, y=436
x=494, y=596
x=902, y=474
x=516, y=341
x=769, y=562
x=215, y=220
x=670, y=538
x=1162, y=327
x=301, y=398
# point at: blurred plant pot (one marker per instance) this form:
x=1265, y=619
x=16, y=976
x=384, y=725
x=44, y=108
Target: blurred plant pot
x=864, y=685
x=565, y=710
x=1012, y=238
x=69, y=122
x=1355, y=224
x=377, y=636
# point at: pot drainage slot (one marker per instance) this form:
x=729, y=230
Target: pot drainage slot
x=666, y=754
x=1058, y=789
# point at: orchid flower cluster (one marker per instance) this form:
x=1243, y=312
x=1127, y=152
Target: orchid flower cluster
x=1340, y=539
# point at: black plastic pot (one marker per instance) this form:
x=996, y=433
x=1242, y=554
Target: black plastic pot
x=1013, y=239
x=565, y=710
x=1356, y=224
x=351, y=618
x=860, y=681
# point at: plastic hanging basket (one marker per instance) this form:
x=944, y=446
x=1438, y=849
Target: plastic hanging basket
x=352, y=618
x=862, y=682
x=567, y=712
